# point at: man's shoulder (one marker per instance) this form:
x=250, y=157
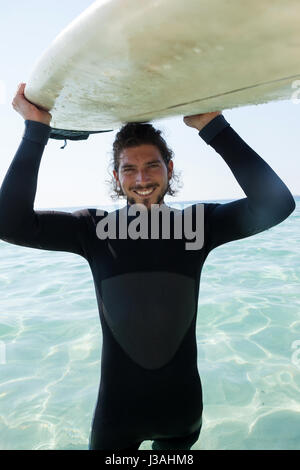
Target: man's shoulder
x=90, y=216
x=90, y=213
x=208, y=206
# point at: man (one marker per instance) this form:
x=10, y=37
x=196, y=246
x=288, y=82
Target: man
x=147, y=289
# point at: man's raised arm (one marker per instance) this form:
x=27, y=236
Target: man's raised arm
x=19, y=223
x=268, y=200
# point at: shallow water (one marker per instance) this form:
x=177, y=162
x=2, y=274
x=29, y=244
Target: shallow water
x=248, y=334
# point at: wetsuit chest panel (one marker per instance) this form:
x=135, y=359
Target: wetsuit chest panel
x=149, y=313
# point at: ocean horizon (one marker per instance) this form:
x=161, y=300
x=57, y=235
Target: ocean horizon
x=121, y=203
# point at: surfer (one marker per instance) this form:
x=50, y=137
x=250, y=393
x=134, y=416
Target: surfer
x=147, y=290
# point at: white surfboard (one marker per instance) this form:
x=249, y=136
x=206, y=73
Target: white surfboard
x=140, y=60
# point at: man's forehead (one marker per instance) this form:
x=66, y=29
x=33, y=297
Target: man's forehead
x=140, y=153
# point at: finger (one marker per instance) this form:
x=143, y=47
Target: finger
x=20, y=92
x=21, y=89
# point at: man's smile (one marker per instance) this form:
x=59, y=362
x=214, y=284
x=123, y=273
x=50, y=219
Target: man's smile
x=144, y=192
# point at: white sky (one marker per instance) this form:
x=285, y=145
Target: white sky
x=76, y=176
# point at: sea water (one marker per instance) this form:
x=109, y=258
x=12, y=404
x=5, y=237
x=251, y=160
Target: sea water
x=248, y=336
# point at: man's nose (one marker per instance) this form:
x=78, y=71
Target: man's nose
x=142, y=177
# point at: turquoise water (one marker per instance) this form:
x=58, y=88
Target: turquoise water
x=248, y=334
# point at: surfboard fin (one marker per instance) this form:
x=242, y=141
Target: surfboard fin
x=63, y=134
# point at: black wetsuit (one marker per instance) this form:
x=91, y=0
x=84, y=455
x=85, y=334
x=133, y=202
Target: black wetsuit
x=147, y=290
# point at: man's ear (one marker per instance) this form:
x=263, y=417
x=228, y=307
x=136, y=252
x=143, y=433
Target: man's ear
x=170, y=169
x=116, y=177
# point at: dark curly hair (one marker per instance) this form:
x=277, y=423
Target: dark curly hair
x=132, y=135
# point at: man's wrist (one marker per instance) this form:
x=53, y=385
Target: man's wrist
x=36, y=131
x=205, y=123
x=213, y=128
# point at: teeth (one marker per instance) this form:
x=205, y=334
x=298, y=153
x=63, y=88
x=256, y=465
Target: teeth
x=145, y=193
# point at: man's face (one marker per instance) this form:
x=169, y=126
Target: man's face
x=143, y=175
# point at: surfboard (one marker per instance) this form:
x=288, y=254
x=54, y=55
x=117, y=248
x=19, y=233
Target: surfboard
x=140, y=60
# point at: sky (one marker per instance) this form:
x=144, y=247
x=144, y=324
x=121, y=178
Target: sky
x=77, y=176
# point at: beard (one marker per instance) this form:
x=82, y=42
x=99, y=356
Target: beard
x=132, y=200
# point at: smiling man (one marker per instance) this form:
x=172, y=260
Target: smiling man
x=147, y=289
x=143, y=175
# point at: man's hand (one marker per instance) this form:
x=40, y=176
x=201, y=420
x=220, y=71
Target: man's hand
x=198, y=121
x=28, y=110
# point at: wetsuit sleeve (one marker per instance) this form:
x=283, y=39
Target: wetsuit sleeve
x=268, y=200
x=19, y=223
